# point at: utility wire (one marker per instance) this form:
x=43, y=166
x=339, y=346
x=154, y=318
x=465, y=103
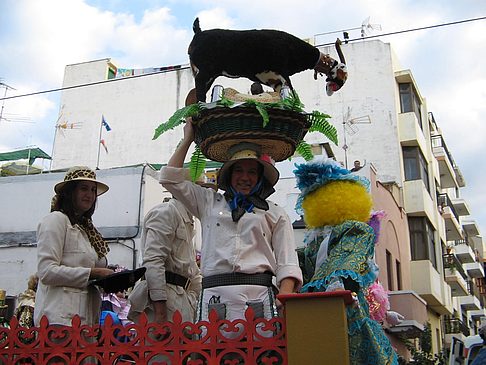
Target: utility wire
x=186, y=66
x=408, y=30
x=93, y=83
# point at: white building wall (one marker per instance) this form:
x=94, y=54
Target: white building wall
x=118, y=216
x=135, y=107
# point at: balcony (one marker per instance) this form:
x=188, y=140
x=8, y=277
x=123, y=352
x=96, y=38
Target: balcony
x=474, y=269
x=471, y=228
x=427, y=282
x=413, y=308
x=460, y=206
x=454, y=275
x=452, y=226
x=417, y=200
x=477, y=315
x=456, y=282
x=464, y=252
x=470, y=303
x=451, y=218
x=476, y=242
x=455, y=325
x=448, y=306
x=446, y=163
x=459, y=177
x=410, y=132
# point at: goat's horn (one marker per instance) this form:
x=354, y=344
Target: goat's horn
x=339, y=51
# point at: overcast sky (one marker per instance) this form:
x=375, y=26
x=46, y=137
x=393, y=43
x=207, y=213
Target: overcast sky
x=39, y=38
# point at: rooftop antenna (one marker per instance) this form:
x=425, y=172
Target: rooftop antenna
x=365, y=29
x=7, y=87
x=368, y=28
x=350, y=128
x=14, y=118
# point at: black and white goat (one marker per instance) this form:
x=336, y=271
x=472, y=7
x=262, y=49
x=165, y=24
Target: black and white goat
x=266, y=56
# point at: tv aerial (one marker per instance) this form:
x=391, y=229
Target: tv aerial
x=350, y=127
x=62, y=126
x=366, y=28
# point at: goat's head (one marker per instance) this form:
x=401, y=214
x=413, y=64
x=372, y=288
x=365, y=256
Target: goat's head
x=335, y=71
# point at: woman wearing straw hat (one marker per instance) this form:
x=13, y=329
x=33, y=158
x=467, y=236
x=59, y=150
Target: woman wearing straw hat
x=247, y=241
x=70, y=252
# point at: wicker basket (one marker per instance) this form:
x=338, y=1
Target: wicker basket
x=218, y=129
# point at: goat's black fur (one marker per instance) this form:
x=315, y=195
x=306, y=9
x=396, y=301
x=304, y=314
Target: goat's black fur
x=247, y=53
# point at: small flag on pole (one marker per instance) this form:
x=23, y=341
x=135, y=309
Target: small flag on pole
x=103, y=143
x=105, y=124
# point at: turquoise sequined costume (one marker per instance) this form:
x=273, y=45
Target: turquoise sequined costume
x=350, y=259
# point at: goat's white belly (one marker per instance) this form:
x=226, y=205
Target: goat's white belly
x=270, y=78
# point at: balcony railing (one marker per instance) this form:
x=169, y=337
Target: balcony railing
x=454, y=326
x=444, y=201
x=438, y=141
x=461, y=242
x=451, y=262
x=473, y=289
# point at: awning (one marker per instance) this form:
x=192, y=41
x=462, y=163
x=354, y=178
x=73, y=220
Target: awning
x=25, y=154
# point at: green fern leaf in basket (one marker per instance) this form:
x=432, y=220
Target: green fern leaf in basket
x=292, y=102
x=177, y=118
x=261, y=108
x=304, y=149
x=263, y=112
x=319, y=123
x=197, y=164
x=224, y=101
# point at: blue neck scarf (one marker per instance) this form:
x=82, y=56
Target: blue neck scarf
x=240, y=203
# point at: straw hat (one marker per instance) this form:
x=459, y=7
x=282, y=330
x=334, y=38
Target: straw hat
x=247, y=151
x=81, y=173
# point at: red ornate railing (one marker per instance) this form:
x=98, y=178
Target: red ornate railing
x=249, y=341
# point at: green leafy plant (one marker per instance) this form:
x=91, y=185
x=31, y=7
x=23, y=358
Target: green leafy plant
x=197, y=164
x=178, y=118
x=305, y=150
x=422, y=352
x=319, y=123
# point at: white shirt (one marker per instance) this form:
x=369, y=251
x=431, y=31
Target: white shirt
x=167, y=237
x=260, y=241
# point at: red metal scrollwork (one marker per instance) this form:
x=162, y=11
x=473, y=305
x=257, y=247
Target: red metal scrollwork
x=249, y=341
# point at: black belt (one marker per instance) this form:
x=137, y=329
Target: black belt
x=176, y=279
x=237, y=278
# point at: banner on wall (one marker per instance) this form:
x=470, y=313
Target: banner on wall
x=126, y=72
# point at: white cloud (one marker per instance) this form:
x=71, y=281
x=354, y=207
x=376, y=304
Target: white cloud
x=215, y=18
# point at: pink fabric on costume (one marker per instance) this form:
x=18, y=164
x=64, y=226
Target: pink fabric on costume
x=377, y=299
x=375, y=222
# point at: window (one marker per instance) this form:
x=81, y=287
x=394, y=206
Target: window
x=389, y=270
x=422, y=239
x=409, y=101
x=399, y=274
x=415, y=165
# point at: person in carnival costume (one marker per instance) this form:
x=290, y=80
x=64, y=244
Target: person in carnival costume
x=247, y=241
x=339, y=251
x=71, y=252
